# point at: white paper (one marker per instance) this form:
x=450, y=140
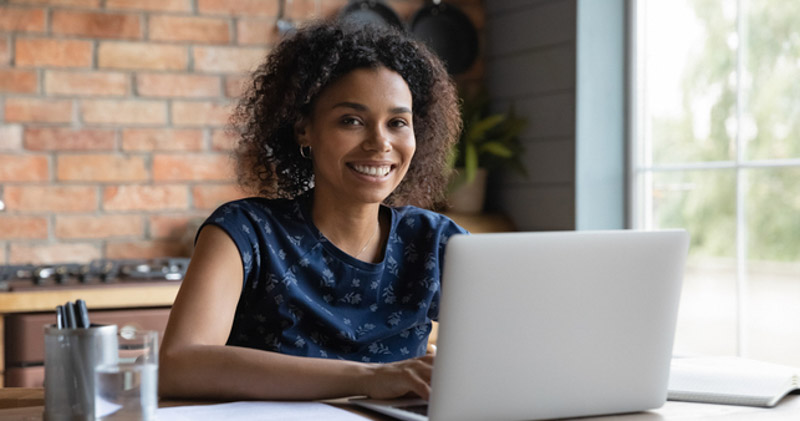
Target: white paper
x=257, y=411
x=730, y=380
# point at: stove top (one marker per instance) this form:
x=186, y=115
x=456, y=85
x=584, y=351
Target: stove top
x=99, y=272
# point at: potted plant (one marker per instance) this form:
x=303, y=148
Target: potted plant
x=488, y=142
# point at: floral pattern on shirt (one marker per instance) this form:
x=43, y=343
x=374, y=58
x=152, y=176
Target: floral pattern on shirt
x=303, y=296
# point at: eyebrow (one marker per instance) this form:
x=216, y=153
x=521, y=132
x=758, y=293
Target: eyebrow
x=361, y=107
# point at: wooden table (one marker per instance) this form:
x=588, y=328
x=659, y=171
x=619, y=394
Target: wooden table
x=27, y=404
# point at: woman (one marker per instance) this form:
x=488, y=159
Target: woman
x=325, y=285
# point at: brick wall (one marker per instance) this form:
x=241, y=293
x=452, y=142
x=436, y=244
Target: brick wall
x=112, y=115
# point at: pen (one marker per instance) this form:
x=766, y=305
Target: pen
x=82, y=314
x=60, y=317
x=69, y=309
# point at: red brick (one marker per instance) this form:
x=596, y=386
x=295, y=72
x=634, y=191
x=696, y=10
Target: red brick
x=19, y=19
x=162, y=140
x=10, y=138
x=186, y=113
x=151, y=5
x=78, y=3
x=129, y=55
x=175, y=167
x=23, y=168
x=85, y=83
x=53, y=52
x=53, y=253
x=175, y=226
x=145, y=197
x=236, y=85
x=211, y=196
x=197, y=29
x=298, y=10
x=145, y=249
x=123, y=112
x=68, y=139
x=103, y=226
x=227, y=59
x=238, y=7
x=181, y=85
x=38, y=110
x=100, y=167
x=257, y=31
x=222, y=140
x=95, y=25
x=22, y=227
x=5, y=50
x=50, y=198
x=18, y=81
x=331, y=8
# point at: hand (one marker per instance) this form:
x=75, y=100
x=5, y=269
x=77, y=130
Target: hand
x=401, y=378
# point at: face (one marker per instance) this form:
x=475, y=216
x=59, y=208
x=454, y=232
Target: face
x=361, y=136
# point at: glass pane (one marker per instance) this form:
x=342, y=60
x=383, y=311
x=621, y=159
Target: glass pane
x=773, y=266
x=703, y=202
x=689, y=71
x=771, y=124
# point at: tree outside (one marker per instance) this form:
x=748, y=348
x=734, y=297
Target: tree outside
x=723, y=75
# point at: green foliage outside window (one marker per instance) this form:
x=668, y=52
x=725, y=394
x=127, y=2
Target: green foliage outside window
x=703, y=201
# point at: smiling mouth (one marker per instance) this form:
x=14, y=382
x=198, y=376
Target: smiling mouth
x=373, y=171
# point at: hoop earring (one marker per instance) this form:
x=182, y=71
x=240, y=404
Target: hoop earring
x=303, y=152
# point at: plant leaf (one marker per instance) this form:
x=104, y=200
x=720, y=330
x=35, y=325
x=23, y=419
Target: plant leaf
x=470, y=162
x=498, y=149
x=479, y=128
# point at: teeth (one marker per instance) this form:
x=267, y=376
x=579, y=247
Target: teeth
x=374, y=171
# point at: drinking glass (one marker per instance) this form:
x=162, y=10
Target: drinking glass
x=128, y=390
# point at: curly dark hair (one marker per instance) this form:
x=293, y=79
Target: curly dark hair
x=285, y=87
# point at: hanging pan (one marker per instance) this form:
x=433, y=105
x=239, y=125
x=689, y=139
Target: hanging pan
x=449, y=33
x=283, y=24
x=370, y=12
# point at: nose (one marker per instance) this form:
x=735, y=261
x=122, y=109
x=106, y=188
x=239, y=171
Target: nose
x=378, y=140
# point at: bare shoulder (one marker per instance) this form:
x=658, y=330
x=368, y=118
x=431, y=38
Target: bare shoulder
x=204, y=308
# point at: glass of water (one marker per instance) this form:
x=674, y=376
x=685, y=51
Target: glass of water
x=128, y=390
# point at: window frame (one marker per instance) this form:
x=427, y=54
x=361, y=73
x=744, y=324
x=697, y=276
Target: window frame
x=641, y=168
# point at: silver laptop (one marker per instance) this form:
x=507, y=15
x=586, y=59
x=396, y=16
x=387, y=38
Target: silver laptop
x=553, y=325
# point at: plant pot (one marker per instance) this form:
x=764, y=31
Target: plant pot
x=468, y=198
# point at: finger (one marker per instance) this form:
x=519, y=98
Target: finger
x=421, y=388
x=428, y=358
x=424, y=370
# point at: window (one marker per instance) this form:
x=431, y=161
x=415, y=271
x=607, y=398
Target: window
x=715, y=149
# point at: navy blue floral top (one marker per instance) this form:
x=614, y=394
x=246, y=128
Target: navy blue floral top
x=304, y=296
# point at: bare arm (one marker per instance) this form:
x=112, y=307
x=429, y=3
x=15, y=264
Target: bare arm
x=196, y=363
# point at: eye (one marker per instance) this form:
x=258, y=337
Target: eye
x=398, y=122
x=350, y=121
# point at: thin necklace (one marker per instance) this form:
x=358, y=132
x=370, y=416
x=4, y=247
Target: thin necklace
x=369, y=240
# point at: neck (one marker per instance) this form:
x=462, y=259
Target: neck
x=353, y=228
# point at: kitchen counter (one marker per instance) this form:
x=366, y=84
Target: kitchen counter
x=110, y=297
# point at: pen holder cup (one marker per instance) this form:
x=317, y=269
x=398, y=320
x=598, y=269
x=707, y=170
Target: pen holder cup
x=70, y=359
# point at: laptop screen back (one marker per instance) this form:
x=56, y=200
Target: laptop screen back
x=556, y=324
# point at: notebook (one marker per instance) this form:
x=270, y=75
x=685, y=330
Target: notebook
x=731, y=381
x=552, y=325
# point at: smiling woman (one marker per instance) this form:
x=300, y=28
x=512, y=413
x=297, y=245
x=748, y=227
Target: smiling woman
x=361, y=137
x=326, y=284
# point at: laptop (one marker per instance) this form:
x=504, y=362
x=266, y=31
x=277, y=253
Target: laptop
x=552, y=325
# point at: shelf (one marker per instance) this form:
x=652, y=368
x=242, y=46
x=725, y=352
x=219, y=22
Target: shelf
x=483, y=222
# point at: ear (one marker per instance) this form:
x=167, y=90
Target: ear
x=301, y=131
